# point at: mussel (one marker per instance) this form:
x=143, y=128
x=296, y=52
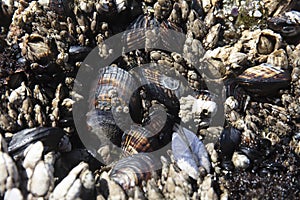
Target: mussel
x=131, y=171
x=114, y=99
x=52, y=138
x=229, y=141
x=136, y=140
x=287, y=24
x=146, y=31
x=264, y=79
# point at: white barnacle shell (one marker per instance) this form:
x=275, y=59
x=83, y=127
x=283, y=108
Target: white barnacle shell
x=33, y=154
x=189, y=152
x=121, y=5
x=9, y=177
x=186, y=104
x=192, y=109
x=208, y=107
x=240, y=160
x=70, y=185
x=13, y=193
x=41, y=180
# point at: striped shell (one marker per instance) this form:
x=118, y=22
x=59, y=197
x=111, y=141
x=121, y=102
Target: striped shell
x=147, y=31
x=136, y=140
x=136, y=38
x=155, y=133
x=111, y=85
x=131, y=171
x=264, y=79
x=118, y=106
x=165, y=89
x=114, y=100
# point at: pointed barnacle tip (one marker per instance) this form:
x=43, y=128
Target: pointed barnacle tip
x=186, y=167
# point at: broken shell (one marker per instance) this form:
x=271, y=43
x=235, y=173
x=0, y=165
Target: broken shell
x=259, y=43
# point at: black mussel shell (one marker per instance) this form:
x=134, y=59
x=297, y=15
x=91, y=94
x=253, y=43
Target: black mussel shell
x=79, y=53
x=229, y=142
x=227, y=165
x=50, y=136
x=286, y=24
x=253, y=154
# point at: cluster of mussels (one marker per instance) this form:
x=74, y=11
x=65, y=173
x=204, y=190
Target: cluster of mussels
x=250, y=48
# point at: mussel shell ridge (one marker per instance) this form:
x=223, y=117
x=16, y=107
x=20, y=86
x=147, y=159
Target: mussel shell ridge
x=264, y=79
